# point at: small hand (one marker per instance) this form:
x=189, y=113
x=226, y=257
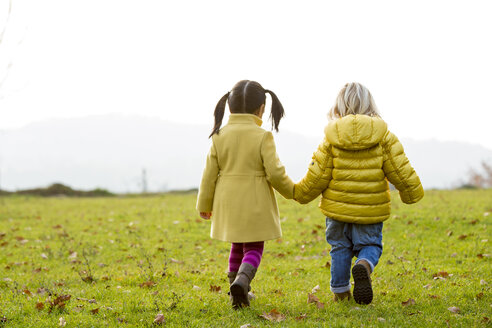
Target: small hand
x=205, y=215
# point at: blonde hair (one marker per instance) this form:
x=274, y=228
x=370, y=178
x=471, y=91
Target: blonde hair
x=354, y=98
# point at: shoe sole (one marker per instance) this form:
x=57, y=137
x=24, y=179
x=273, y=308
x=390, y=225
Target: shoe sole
x=239, y=298
x=362, y=285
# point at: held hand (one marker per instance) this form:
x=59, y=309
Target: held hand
x=205, y=215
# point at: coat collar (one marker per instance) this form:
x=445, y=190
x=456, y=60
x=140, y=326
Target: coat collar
x=244, y=118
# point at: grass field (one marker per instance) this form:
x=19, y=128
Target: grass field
x=121, y=261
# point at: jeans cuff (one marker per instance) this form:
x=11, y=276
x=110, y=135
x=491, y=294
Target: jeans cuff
x=339, y=290
x=370, y=263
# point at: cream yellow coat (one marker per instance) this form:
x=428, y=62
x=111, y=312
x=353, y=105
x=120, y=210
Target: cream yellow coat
x=241, y=171
x=352, y=167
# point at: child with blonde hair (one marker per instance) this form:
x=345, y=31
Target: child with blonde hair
x=351, y=169
x=241, y=171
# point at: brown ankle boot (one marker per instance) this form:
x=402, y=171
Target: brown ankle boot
x=341, y=296
x=241, y=285
x=362, y=282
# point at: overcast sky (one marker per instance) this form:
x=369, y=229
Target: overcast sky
x=427, y=63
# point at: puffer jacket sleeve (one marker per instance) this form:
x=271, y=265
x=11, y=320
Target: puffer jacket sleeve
x=318, y=176
x=209, y=178
x=274, y=169
x=399, y=172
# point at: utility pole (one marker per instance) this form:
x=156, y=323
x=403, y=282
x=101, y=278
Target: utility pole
x=144, y=181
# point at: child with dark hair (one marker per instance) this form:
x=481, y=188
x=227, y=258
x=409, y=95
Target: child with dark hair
x=241, y=171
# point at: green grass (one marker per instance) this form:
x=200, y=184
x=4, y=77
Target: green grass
x=129, y=241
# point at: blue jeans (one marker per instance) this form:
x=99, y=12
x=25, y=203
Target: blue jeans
x=348, y=240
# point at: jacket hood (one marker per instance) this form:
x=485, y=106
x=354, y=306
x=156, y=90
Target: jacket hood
x=356, y=132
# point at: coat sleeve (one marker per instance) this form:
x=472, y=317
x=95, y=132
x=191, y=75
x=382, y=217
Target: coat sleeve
x=275, y=171
x=399, y=172
x=209, y=178
x=318, y=176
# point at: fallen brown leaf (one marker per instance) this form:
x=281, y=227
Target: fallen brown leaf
x=410, y=301
x=479, y=296
x=147, y=284
x=215, y=289
x=273, y=316
x=454, y=309
x=95, y=311
x=312, y=298
x=39, y=306
x=461, y=237
x=61, y=299
x=159, y=319
x=442, y=274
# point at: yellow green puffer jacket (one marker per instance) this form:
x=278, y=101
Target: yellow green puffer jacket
x=351, y=169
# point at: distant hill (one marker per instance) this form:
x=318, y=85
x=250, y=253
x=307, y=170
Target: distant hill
x=110, y=152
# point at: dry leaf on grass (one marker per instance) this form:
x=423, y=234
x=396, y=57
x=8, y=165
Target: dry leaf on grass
x=159, y=319
x=454, y=309
x=215, y=289
x=315, y=289
x=39, y=306
x=312, y=298
x=442, y=274
x=147, y=284
x=62, y=322
x=273, y=316
x=59, y=303
x=410, y=301
x=95, y=311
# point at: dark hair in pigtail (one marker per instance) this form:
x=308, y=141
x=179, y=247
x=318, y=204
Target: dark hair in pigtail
x=219, y=114
x=277, y=110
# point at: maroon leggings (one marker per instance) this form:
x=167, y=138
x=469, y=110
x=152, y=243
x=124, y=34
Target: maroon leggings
x=245, y=253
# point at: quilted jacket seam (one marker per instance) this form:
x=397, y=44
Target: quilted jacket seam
x=395, y=169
